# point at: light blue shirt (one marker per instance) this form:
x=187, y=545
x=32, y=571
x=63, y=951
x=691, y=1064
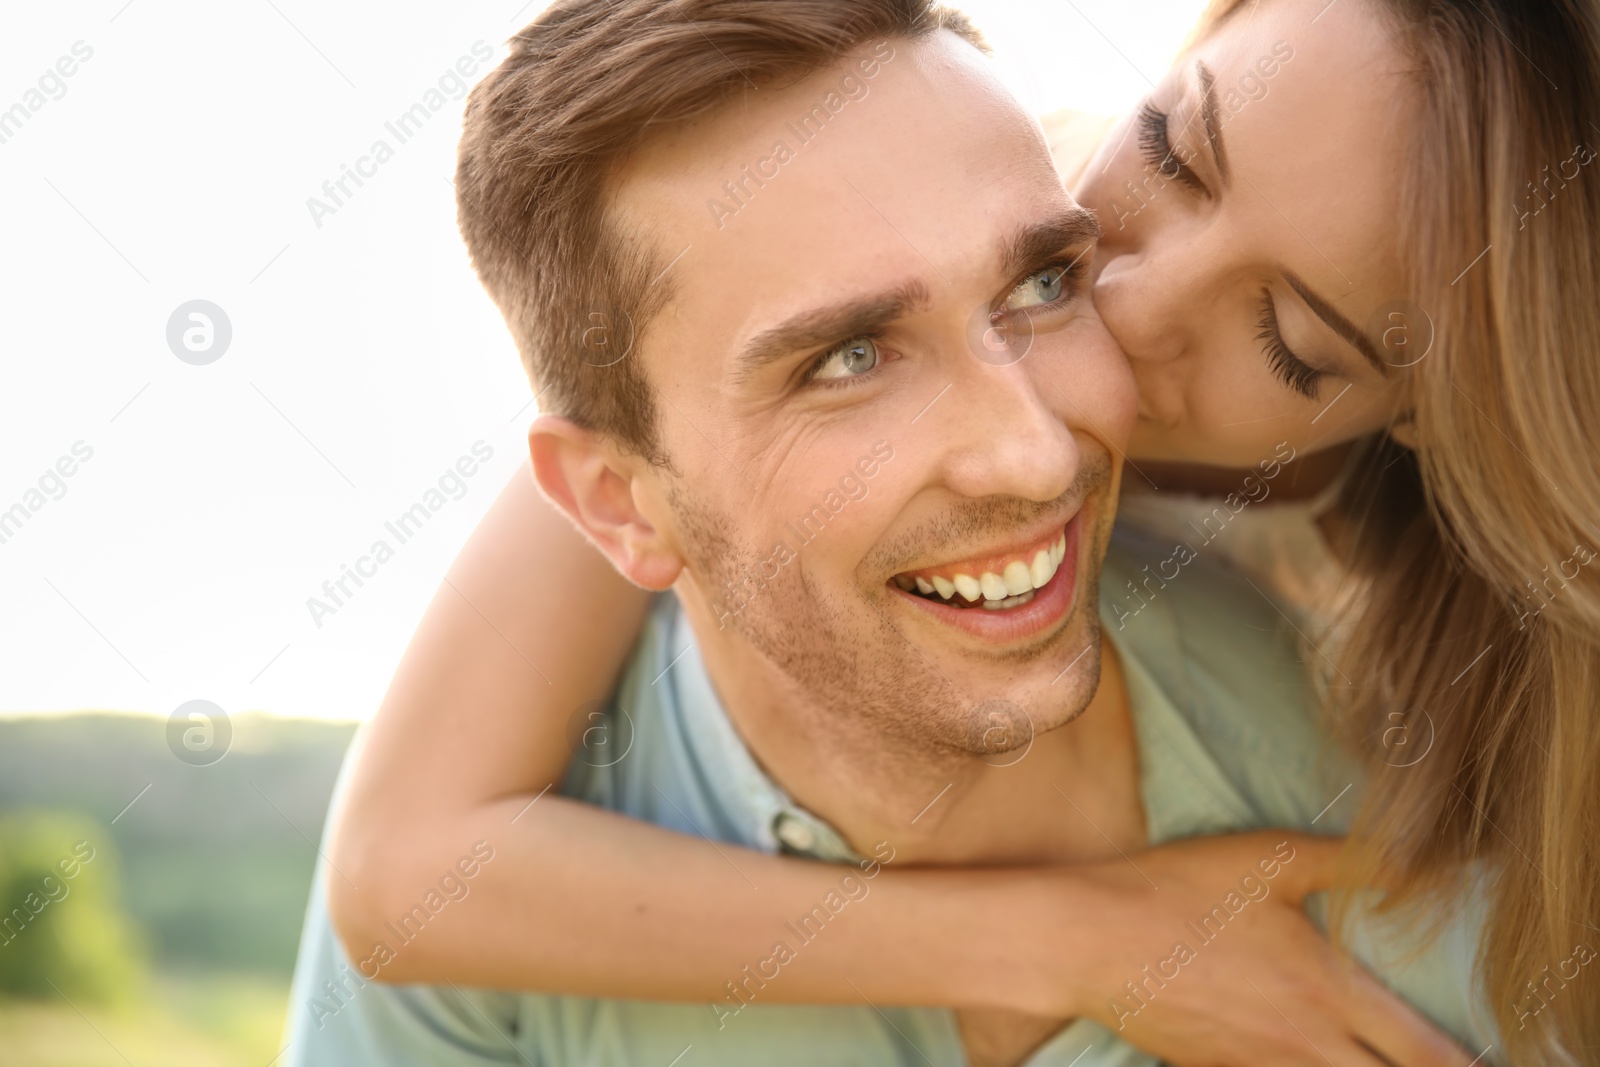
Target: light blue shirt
x=1228, y=740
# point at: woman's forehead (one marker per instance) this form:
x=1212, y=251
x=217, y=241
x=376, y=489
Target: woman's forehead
x=1318, y=148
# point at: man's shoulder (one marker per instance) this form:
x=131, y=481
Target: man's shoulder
x=1231, y=671
x=1196, y=600
x=340, y=1016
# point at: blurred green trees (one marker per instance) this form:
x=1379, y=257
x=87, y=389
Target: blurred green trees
x=210, y=864
x=61, y=919
x=216, y=861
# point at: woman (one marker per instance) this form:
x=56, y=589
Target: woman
x=1450, y=141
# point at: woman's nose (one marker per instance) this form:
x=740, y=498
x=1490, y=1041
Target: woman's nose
x=1140, y=290
x=1141, y=304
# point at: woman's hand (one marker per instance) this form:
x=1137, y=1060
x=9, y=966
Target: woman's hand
x=1202, y=955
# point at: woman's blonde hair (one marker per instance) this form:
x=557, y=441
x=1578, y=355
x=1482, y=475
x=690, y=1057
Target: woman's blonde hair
x=1478, y=551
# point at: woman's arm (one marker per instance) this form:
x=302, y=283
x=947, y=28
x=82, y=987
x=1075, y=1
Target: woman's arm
x=531, y=624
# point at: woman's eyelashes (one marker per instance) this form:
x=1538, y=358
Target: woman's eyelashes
x=1155, y=143
x=1172, y=162
x=1293, y=371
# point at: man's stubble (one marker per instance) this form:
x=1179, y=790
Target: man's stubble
x=851, y=676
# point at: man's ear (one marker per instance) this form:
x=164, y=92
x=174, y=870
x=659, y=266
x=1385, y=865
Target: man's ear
x=600, y=490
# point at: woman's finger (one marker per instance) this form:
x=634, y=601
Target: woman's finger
x=1396, y=1031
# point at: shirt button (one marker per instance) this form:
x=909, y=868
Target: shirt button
x=796, y=834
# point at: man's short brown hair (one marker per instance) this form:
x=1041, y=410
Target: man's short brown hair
x=584, y=85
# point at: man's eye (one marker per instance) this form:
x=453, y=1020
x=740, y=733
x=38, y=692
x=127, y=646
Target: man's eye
x=849, y=360
x=1041, y=287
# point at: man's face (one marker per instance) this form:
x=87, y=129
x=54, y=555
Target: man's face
x=879, y=364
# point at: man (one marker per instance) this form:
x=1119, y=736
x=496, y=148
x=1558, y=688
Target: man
x=809, y=308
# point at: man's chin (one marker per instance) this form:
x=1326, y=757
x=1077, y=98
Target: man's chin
x=1026, y=670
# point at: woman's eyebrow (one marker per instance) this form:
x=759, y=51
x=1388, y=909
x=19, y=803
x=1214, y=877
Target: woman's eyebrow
x=1208, y=112
x=1337, y=321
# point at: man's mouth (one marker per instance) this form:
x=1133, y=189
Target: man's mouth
x=993, y=583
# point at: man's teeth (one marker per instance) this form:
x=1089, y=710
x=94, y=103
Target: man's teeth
x=1043, y=567
x=1013, y=587
x=1008, y=602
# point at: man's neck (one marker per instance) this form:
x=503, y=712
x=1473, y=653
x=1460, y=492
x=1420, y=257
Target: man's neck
x=1072, y=795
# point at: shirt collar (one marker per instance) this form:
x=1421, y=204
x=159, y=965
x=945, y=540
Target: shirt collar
x=771, y=819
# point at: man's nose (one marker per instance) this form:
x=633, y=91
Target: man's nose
x=1002, y=434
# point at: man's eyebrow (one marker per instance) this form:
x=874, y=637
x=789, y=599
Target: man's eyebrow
x=835, y=324
x=1038, y=241
x=1026, y=248
x=1337, y=322
x=1208, y=113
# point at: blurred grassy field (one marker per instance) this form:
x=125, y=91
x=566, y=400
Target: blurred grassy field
x=197, y=1020
x=214, y=866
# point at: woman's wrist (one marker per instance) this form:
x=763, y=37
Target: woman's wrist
x=1021, y=939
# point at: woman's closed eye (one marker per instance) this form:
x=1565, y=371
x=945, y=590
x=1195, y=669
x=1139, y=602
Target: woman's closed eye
x=1290, y=369
x=1156, y=143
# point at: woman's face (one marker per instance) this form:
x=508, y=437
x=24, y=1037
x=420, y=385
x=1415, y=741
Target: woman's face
x=1249, y=259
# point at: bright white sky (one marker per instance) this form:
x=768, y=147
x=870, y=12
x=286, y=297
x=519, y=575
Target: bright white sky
x=364, y=360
